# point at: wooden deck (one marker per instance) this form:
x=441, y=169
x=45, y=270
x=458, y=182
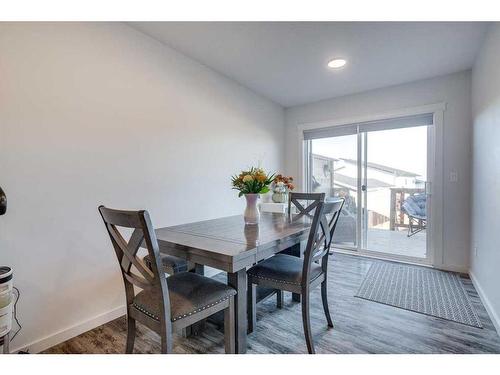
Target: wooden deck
x=397, y=242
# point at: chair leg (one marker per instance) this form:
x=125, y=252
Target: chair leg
x=251, y=306
x=186, y=332
x=130, y=335
x=167, y=340
x=229, y=328
x=324, y=298
x=166, y=344
x=6, y=341
x=307, y=323
x=280, y=299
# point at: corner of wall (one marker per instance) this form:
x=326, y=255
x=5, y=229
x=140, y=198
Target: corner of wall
x=495, y=318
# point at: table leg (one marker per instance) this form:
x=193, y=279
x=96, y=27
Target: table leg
x=251, y=306
x=199, y=269
x=295, y=251
x=196, y=328
x=238, y=280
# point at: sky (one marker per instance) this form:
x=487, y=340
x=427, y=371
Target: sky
x=398, y=148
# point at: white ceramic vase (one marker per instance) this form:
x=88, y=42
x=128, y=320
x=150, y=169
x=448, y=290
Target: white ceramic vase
x=252, y=214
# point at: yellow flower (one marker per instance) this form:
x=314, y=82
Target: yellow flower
x=260, y=177
x=247, y=178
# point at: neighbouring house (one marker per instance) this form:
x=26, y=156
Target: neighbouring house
x=338, y=177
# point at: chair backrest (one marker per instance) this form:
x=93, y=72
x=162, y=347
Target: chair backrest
x=415, y=205
x=298, y=198
x=323, y=226
x=331, y=213
x=126, y=251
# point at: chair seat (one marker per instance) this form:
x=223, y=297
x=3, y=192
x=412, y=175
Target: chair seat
x=170, y=263
x=189, y=293
x=282, y=268
x=418, y=217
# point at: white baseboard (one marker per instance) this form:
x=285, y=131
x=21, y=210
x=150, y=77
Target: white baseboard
x=486, y=302
x=40, y=345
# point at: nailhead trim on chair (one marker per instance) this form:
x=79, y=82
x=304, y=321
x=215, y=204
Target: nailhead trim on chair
x=150, y=314
x=281, y=281
x=276, y=280
x=143, y=310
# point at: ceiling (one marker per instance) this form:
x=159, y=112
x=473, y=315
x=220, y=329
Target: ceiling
x=286, y=61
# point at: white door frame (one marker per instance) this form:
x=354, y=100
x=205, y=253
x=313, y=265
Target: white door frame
x=435, y=169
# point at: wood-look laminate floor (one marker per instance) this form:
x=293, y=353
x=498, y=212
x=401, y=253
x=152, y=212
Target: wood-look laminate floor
x=360, y=326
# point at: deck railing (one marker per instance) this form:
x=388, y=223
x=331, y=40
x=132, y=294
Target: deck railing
x=398, y=196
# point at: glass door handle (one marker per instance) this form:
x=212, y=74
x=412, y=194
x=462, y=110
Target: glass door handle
x=363, y=187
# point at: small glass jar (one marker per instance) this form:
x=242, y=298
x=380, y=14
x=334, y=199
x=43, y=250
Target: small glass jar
x=280, y=193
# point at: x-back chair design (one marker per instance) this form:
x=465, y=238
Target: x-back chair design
x=296, y=200
x=289, y=273
x=165, y=304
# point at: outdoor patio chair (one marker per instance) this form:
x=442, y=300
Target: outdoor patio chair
x=415, y=208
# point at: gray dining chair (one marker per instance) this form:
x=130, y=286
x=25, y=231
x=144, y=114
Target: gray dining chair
x=164, y=304
x=303, y=204
x=297, y=275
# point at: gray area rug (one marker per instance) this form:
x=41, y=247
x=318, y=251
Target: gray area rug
x=419, y=289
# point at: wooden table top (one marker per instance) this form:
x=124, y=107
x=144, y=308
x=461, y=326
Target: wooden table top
x=228, y=244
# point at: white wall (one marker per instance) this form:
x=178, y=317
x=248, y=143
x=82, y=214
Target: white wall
x=453, y=89
x=485, y=262
x=99, y=113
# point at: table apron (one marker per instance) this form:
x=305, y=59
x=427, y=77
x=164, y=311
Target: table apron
x=264, y=253
x=228, y=264
x=193, y=255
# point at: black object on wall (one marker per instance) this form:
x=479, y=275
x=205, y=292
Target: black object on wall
x=3, y=202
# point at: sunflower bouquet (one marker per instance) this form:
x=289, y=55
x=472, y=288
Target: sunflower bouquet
x=253, y=181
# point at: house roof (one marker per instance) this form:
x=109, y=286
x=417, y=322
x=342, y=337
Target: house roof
x=384, y=168
x=317, y=156
x=351, y=182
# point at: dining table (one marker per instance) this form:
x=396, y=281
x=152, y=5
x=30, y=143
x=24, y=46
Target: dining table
x=229, y=245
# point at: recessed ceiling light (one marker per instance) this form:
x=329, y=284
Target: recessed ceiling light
x=336, y=63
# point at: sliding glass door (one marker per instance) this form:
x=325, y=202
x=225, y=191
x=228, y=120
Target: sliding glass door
x=381, y=169
x=394, y=187
x=334, y=172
